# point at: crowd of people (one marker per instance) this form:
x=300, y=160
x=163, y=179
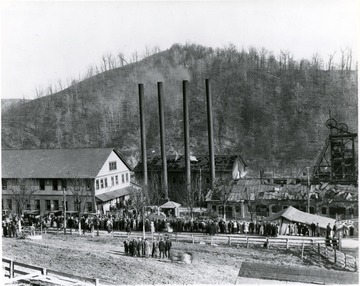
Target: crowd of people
x=138, y=247
x=110, y=223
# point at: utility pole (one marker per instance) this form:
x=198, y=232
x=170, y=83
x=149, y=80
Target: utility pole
x=200, y=187
x=308, y=185
x=64, y=210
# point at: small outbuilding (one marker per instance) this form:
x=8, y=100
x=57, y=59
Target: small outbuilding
x=171, y=208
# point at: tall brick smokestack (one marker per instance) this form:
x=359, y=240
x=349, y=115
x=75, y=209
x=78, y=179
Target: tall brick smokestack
x=187, y=140
x=210, y=133
x=162, y=140
x=143, y=133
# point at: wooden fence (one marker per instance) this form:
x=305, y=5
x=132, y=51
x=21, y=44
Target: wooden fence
x=12, y=268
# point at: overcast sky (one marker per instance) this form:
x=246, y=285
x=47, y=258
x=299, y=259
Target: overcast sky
x=42, y=42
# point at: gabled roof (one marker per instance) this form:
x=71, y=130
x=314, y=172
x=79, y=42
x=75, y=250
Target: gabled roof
x=170, y=205
x=294, y=215
x=55, y=163
x=177, y=163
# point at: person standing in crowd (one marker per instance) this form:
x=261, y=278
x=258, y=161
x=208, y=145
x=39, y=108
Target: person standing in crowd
x=313, y=228
x=126, y=246
x=128, y=229
x=140, y=247
x=147, y=248
x=155, y=250
x=334, y=230
x=83, y=225
x=131, y=247
x=162, y=248
x=168, y=245
x=328, y=230
x=317, y=230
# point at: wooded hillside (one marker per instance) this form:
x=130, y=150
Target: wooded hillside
x=271, y=110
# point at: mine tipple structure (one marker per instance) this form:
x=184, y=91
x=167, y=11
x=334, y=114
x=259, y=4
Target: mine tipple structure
x=337, y=161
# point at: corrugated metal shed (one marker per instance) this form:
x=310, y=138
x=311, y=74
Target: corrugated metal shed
x=54, y=163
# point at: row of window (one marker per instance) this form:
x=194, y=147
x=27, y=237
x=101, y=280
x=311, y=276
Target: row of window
x=36, y=204
x=114, y=180
x=42, y=182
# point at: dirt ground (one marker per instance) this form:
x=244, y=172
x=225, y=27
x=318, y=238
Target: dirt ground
x=103, y=257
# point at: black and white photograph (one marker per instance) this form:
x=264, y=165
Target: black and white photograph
x=179, y=142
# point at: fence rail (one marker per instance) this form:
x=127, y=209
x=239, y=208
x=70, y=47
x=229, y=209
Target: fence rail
x=44, y=271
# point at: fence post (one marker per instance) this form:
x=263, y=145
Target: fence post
x=43, y=271
x=267, y=243
x=345, y=260
x=192, y=238
x=302, y=251
x=340, y=243
x=175, y=236
x=247, y=242
x=96, y=281
x=11, y=269
x=355, y=266
x=334, y=255
x=229, y=242
x=211, y=239
x=318, y=247
x=287, y=243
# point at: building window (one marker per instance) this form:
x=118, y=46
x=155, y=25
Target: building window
x=112, y=166
x=116, y=179
x=312, y=210
x=323, y=210
x=127, y=177
x=89, y=206
x=97, y=184
x=64, y=184
x=112, y=180
x=9, y=204
x=42, y=184
x=102, y=183
x=37, y=204
x=221, y=210
x=351, y=211
x=123, y=178
x=106, y=184
x=237, y=209
x=48, y=205
x=28, y=206
x=213, y=207
x=274, y=209
x=56, y=204
x=4, y=184
x=88, y=183
x=55, y=185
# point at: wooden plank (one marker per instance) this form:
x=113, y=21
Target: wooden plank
x=296, y=274
x=28, y=266
x=49, y=272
